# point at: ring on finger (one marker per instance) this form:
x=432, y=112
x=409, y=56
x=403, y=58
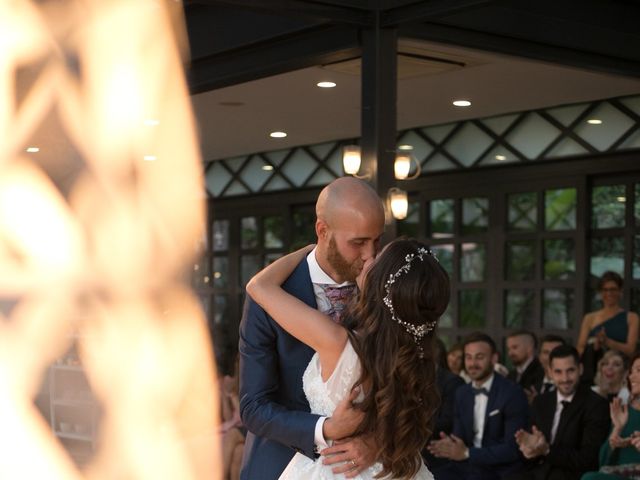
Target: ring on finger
x=353, y=462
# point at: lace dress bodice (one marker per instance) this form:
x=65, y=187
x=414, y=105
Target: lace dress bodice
x=323, y=398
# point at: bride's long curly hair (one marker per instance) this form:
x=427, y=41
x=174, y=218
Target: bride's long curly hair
x=398, y=378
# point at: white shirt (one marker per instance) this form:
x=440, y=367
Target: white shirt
x=556, y=417
x=320, y=277
x=479, y=411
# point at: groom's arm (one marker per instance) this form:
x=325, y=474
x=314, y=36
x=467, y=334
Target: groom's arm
x=259, y=383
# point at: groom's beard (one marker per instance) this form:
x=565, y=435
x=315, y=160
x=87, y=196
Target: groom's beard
x=347, y=271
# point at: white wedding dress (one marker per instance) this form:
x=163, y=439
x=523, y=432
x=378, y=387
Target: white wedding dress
x=323, y=398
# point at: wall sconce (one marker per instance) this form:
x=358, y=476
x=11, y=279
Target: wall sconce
x=351, y=161
x=402, y=166
x=398, y=203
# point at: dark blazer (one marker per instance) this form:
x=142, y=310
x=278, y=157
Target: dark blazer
x=507, y=412
x=584, y=426
x=532, y=375
x=448, y=383
x=273, y=406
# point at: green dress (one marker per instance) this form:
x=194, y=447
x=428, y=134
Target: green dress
x=619, y=456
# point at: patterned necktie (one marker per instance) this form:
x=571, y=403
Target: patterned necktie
x=338, y=297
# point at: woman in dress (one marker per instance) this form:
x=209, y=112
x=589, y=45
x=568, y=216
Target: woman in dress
x=611, y=379
x=611, y=327
x=619, y=455
x=386, y=354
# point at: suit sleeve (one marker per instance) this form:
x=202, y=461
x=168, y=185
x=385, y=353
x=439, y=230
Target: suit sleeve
x=516, y=416
x=259, y=381
x=584, y=457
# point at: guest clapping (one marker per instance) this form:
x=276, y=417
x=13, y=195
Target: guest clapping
x=620, y=453
x=611, y=327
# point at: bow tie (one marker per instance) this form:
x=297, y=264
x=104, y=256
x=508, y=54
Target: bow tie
x=480, y=391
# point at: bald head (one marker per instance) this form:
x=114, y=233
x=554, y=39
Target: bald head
x=350, y=222
x=347, y=196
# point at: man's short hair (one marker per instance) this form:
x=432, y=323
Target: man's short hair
x=480, y=337
x=551, y=338
x=564, y=351
x=525, y=333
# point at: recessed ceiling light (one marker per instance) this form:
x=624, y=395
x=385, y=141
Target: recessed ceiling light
x=151, y=122
x=150, y=158
x=462, y=103
x=405, y=147
x=33, y=150
x=326, y=84
x=277, y=134
x=217, y=275
x=594, y=121
x=501, y=158
x=267, y=168
x=621, y=199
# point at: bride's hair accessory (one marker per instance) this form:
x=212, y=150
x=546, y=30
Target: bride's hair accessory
x=416, y=331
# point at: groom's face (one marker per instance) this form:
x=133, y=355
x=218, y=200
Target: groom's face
x=349, y=248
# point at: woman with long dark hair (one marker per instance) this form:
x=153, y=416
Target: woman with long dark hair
x=386, y=354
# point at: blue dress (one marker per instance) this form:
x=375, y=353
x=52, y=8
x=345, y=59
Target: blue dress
x=616, y=327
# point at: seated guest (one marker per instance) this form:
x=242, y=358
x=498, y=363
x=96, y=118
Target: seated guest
x=611, y=327
x=547, y=344
x=619, y=458
x=455, y=361
x=610, y=381
x=528, y=371
x=487, y=414
x=447, y=383
x=569, y=425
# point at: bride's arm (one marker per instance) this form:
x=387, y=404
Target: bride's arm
x=300, y=320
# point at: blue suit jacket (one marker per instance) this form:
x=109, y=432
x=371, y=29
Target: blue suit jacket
x=273, y=406
x=507, y=412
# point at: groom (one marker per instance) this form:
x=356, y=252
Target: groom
x=273, y=407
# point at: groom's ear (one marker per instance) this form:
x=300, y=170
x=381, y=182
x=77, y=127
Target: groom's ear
x=322, y=229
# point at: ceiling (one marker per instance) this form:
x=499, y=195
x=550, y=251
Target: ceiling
x=255, y=63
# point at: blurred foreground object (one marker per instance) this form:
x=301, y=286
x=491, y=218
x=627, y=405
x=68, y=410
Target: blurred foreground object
x=99, y=222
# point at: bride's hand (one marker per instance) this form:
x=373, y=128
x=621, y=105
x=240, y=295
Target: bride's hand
x=351, y=456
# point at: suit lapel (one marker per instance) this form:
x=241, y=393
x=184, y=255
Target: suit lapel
x=467, y=414
x=547, y=411
x=492, y=401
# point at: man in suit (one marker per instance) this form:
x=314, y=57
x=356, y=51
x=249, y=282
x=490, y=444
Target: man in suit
x=569, y=424
x=488, y=412
x=547, y=344
x=527, y=372
x=273, y=407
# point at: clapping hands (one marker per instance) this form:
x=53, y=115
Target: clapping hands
x=532, y=444
x=449, y=446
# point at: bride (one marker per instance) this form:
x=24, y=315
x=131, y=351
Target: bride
x=386, y=354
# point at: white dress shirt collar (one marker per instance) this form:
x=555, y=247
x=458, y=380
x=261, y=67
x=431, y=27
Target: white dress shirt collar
x=487, y=384
x=524, y=366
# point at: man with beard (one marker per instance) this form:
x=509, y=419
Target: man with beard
x=488, y=413
x=569, y=424
x=547, y=344
x=273, y=407
x=521, y=349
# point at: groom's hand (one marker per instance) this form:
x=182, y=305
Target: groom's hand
x=351, y=456
x=345, y=419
